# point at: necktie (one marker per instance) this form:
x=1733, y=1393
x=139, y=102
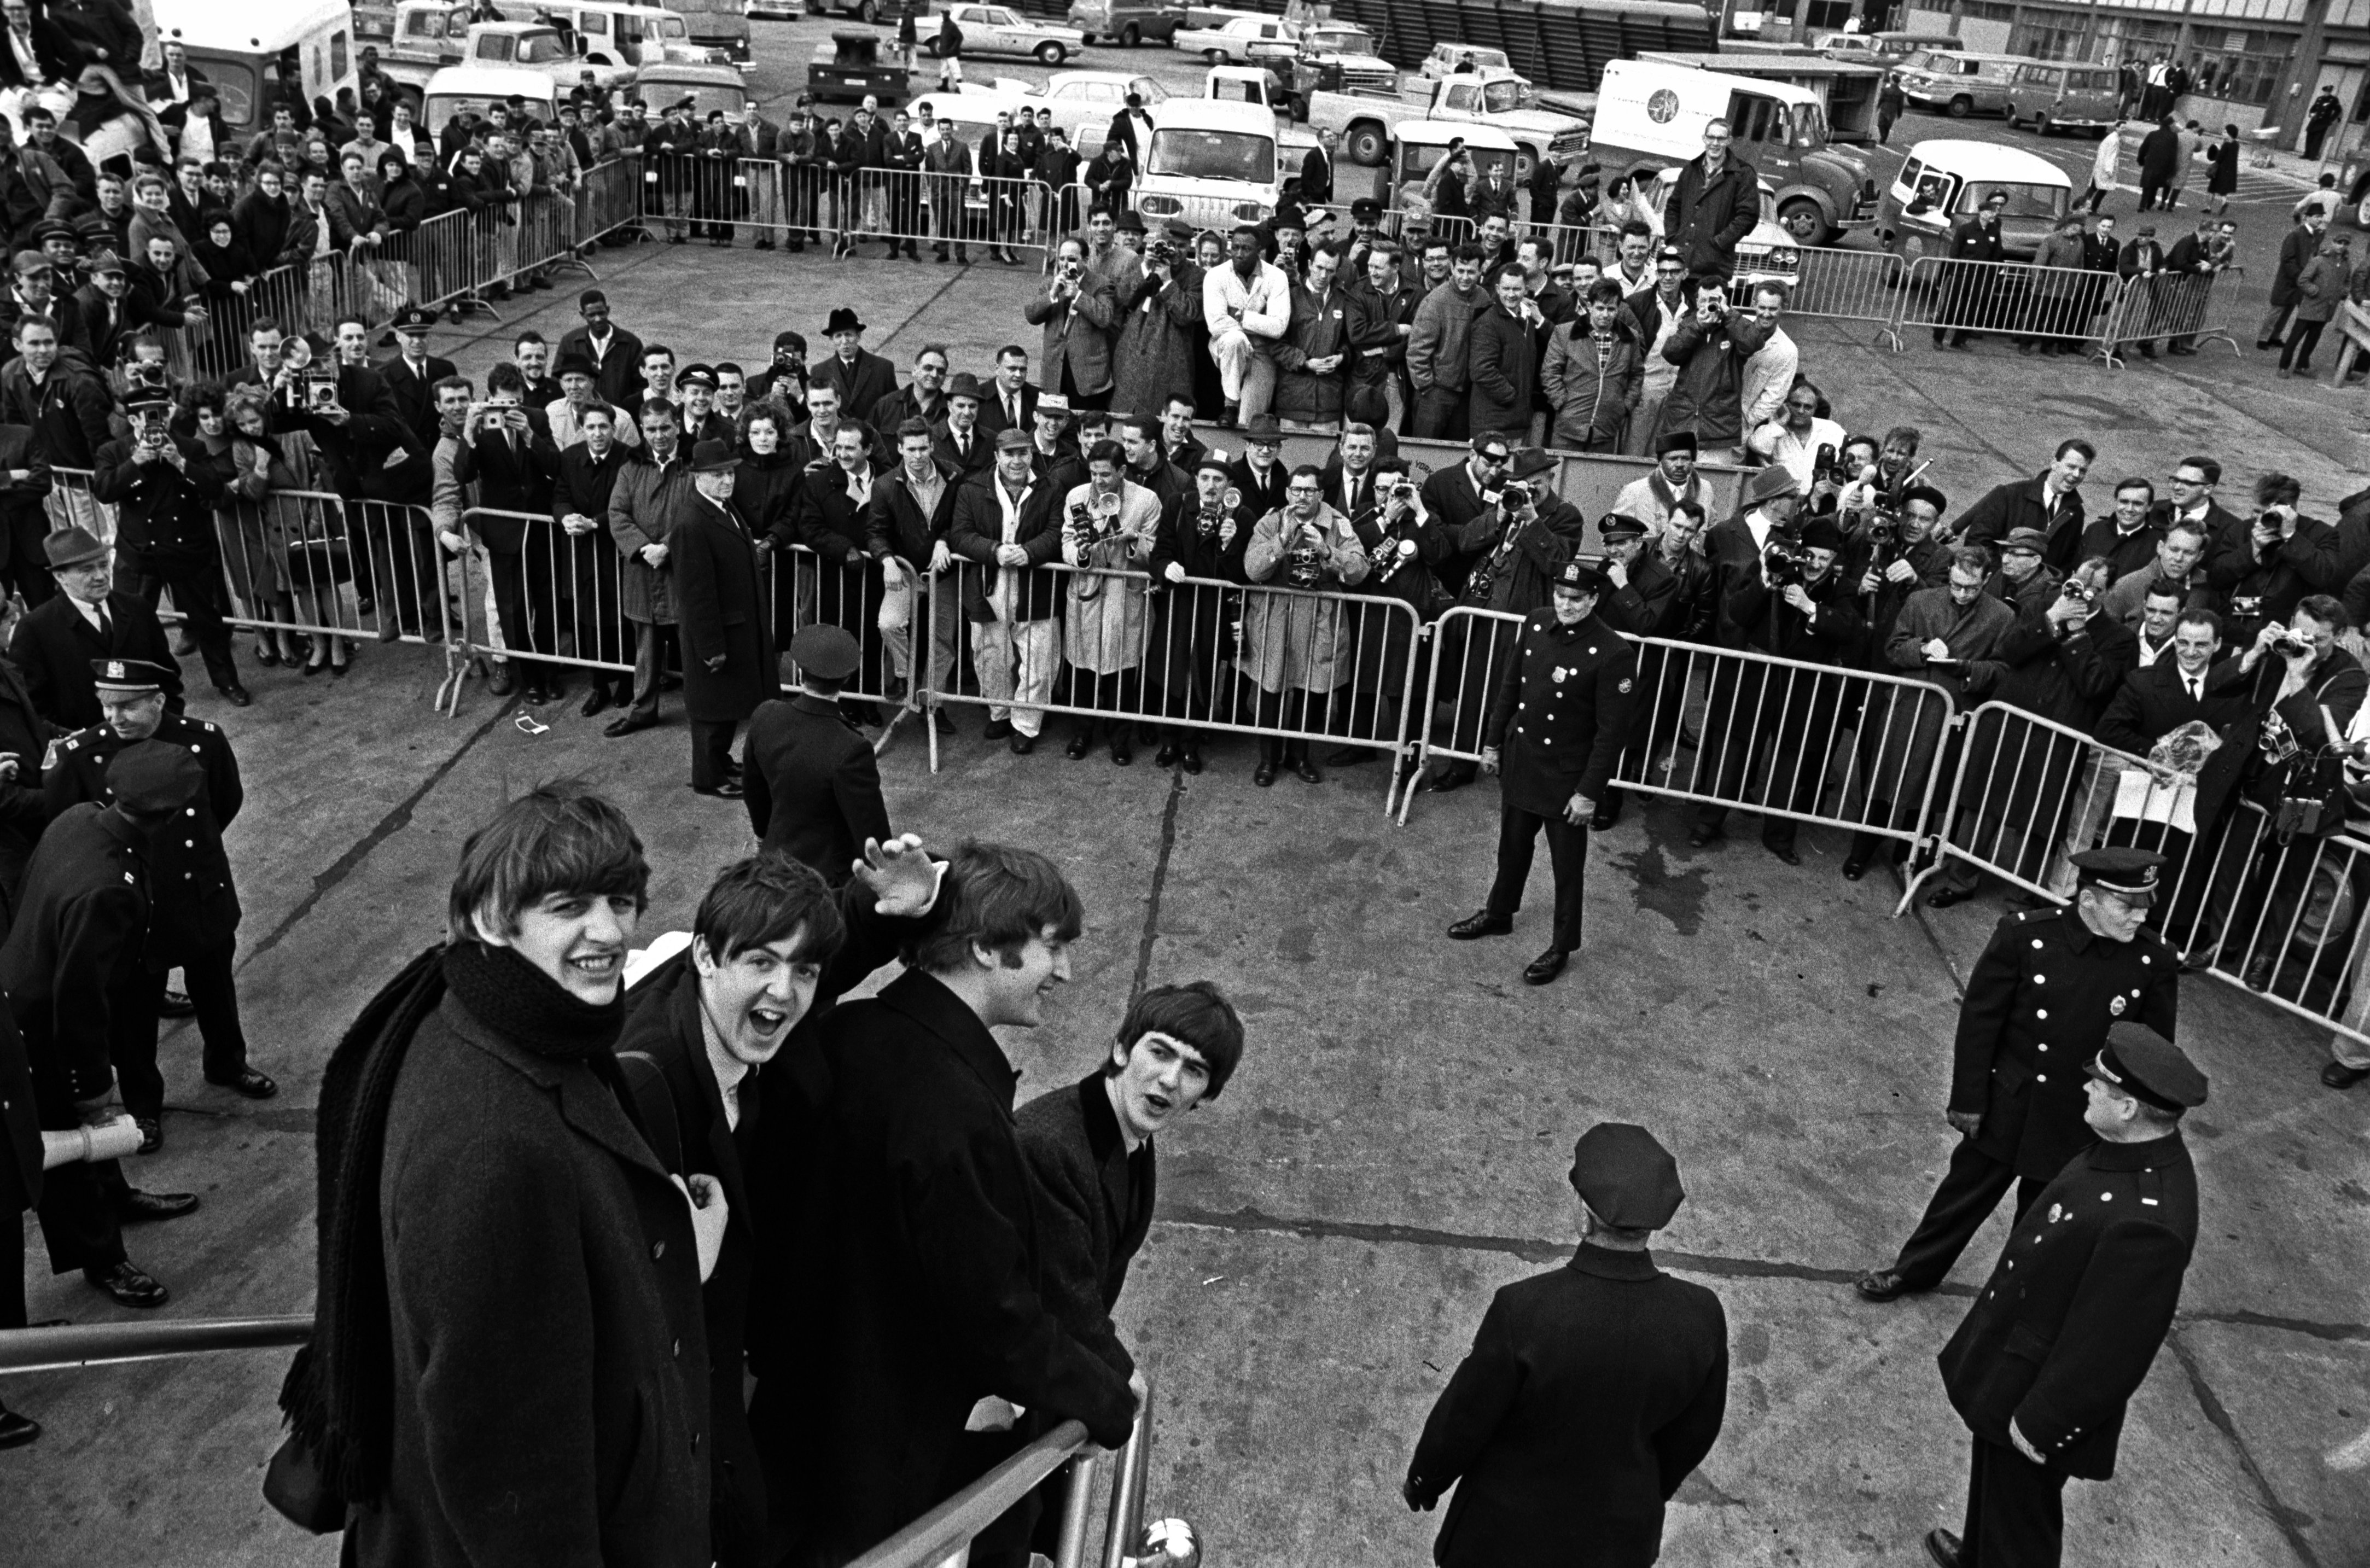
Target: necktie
x=106, y=624
x=1012, y=408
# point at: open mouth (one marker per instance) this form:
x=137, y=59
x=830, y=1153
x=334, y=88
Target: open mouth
x=768, y=1020
x=603, y=966
x=1158, y=1104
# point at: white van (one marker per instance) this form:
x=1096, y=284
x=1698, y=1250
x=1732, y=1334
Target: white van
x=257, y=52
x=1213, y=164
x=479, y=87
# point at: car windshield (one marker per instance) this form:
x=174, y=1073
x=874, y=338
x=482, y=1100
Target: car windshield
x=1213, y=155
x=671, y=26
x=1502, y=97
x=1341, y=40
x=2023, y=200
x=541, y=49
x=1810, y=125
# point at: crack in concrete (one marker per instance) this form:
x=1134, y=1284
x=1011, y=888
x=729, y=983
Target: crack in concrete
x=2283, y=1517
x=1159, y=884
x=393, y=823
x=1537, y=1249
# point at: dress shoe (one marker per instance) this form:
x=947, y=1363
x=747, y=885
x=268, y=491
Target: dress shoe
x=1440, y=780
x=2258, y=971
x=129, y=1285
x=996, y=730
x=17, y=1430
x=893, y=689
x=1080, y=744
x=1943, y=897
x=1882, y=1285
x=1167, y=756
x=728, y=790
x=627, y=725
x=2337, y=1075
x=1604, y=819
x=597, y=702
x=1545, y=968
x=1264, y=774
x=1944, y=1548
x=132, y=1205
x=1856, y=864
x=177, y=1005
x=1308, y=771
x=535, y=695
x=151, y=1133
x=1192, y=761
x=503, y=683
x=1700, y=837
x=1022, y=744
x=1482, y=924
x=865, y=713
x=1122, y=754
x=246, y=1081
x=236, y=695
x=1784, y=852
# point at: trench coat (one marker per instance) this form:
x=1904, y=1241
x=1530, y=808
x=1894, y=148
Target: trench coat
x=1108, y=620
x=1304, y=643
x=642, y=508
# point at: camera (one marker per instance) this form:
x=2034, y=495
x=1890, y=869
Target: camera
x=2290, y=641
x=2247, y=606
x=1161, y=253
x=1403, y=494
x=1304, y=566
x=151, y=426
x=2081, y=592
x=1073, y=271
x=1883, y=528
x=320, y=390
x=146, y=376
x=1782, y=562
x=1515, y=497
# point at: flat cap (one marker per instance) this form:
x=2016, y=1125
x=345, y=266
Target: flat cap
x=2148, y=1067
x=1625, y=1177
x=2031, y=539
x=28, y=262
x=2127, y=872
x=128, y=677
x=1014, y=439
x=152, y=777
x=827, y=652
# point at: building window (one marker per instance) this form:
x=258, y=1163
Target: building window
x=2048, y=35
x=2239, y=64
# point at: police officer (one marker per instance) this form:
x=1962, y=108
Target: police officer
x=809, y=779
x=2052, y=1350
x=193, y=905
x=164, y=490
x=2039, y=1005
x=1590, y=1392
x=1566, y=695
x=67, y=966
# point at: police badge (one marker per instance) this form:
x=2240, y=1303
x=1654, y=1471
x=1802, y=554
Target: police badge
x=2115, y=1007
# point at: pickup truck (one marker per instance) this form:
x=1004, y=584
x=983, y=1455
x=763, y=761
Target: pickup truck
x=526, y=46
x=1361, y=123
x=1334, y=56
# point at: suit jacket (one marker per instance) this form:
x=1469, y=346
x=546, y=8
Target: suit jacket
x=1590, y=1393
x=992, y=417
x=75, y=943
x=55, y=644
x=2154, y=702
x=860, y=384
x=512, y=475
x=827, y=519
x=2084, y=1294
x=811, y=785
x=928, y=1253
x=1094, y=1209
x=969, y=464
x=2019, y=505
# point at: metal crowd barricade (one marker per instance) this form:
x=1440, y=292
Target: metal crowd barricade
x=1850, y=285
x=2180, y=307
x=713, y=197
x=807, y=588
x=565, y=584
x=608, y=197
x=1197, y=656
x=2013, y=298
x=70, y=504
x=1767, y=731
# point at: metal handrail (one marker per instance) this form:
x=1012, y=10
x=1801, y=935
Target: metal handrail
x=107, y=1344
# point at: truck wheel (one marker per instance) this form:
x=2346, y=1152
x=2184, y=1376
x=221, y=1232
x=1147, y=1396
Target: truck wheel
x=930, y=47
x=1961, y=107
x=867, y=11
x=1366, y=144
x=1051, y=53
x=1215, y=56
x=2040, y=124
x=1800, y=218
x=1129, y=37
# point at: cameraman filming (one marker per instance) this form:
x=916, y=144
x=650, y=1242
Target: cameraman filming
x=1899, y=553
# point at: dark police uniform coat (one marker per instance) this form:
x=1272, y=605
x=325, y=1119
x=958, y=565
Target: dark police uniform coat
x=2083, y=1295
x=196, y=904
x=811, y=785
x=79, y=919
x=1562, y=713
x=1589, y=1395
x=2039, y=1004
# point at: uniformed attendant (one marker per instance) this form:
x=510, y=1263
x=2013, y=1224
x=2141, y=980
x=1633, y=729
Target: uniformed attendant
x=1590, y=1392
x=193, y=904
x=812, y=789
x=2039, y=1005
x=2066, y=1328
x=68, y=963
x=1566, y=695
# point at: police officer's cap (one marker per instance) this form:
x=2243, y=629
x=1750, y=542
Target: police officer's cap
x=695, y=376
x=1676, y=440
x=73, y=546
x=1616, y=527
x=153, y=778
x=1583, y=577
x=127, y=677
x=413, y=318
x=2028, y=539
x=2128, y=874
x=826, y=653
x=2148, y=1067
x=1625, y=1177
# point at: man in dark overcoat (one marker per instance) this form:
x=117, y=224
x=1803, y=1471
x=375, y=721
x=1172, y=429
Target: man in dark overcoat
x=2063, y=1333
x=642, y=503
x=581, y=492
x=24, y=516
x=729, y=663
x=2039, y=1004
x=21, y=1181
x=772, y=949
x=812, y=787
x=1591, y=1391
x=1205, y=535
x=193, y=907
x=510, y=458
x=1556, y=724
x=164, y=490
x=926, y=1242
x=88, y=619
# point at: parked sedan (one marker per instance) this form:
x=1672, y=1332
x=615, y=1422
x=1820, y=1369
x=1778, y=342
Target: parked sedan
x=1444, y=58
x=1083, y=102
x=999, y=30
x=1230, y=43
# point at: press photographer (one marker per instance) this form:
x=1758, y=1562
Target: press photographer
x=165, y=488
x=1205, y=537
x=1298, y=650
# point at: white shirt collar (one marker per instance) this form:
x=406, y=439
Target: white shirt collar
x=729, y=1070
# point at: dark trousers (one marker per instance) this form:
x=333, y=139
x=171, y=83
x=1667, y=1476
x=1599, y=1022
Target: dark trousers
x=1444, y=413
x=1567, y=852
x=78, y=1222
x=199, y=594
x=1285, y=710
x=212, y=991
x=12, y=1270
x=711, y=751
x=524, y=597
x=2016, y=1510
x=650, y=645
x=1762, y=711
x=1965, y=1197
x=404, y=566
